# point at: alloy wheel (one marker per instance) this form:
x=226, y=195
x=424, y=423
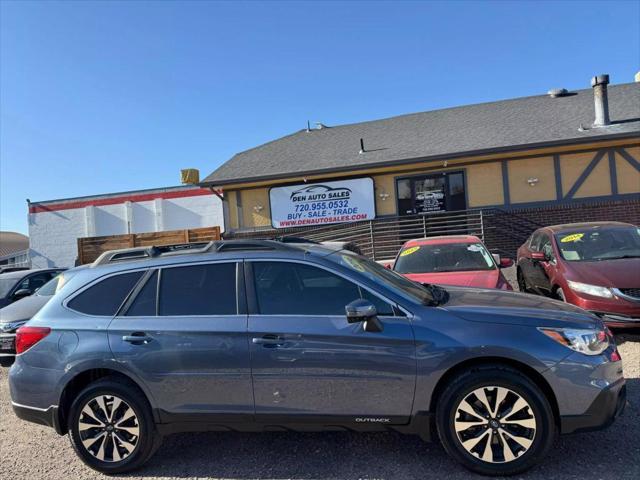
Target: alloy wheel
x=495, y=424
x=109, y=428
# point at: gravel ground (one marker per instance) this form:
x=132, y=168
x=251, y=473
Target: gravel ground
x=29, y=451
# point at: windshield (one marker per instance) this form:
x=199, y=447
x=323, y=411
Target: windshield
x=444, y=257
x=6, y=284
x=54, y=285
x=383, y=276
x=599, y=244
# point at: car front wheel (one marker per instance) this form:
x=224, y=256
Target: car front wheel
x=111, y=427
x=495, y=421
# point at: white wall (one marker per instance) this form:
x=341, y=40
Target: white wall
x=53, y=234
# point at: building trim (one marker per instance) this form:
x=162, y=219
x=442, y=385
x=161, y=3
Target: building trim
x=634, y=163
x=564, y=202
x=585, y=174
x=505, y=182
x=613, y=172
x=37, y=207
x=238, y=182
x=558, y=176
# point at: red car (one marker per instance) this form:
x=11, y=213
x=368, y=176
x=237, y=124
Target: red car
x=595, y=266
x=461, y=260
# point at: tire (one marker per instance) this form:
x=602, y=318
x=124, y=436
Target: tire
x=522, y=283
x=529, y=432
x=105, y=447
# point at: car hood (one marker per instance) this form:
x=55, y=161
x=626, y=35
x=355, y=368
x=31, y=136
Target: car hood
x=499, y=306
x=622, y=273
x=476, y=278
x=23, y=309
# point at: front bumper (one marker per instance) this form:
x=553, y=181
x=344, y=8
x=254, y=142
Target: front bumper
x=619, y=321
x=607, y=406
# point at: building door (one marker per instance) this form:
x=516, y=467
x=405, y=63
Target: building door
x=431, y=193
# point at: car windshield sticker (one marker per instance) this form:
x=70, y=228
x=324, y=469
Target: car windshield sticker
x=352, y=262
x=409, y=251
x=474, y=248
x=574, y=237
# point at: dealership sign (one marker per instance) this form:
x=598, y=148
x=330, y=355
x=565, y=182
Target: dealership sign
x=322, y=203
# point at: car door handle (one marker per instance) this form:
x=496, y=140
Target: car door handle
x=269, y=341
x=137, y=338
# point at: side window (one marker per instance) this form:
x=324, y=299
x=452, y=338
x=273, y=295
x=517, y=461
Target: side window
x=106, y=296
x=284, y=288
x=546, y=248
x=199, y=290
x=383, y=308
x=144, y=304
x=534, y=242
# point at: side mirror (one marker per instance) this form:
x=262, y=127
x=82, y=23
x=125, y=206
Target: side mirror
x=505, y=262
x=364, y=311
x=389, y=266
x=538, y=256
x=23, y=292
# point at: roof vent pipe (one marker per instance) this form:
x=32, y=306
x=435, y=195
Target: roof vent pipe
x=599, y=85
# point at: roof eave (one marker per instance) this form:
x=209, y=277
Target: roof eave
x=448, y=156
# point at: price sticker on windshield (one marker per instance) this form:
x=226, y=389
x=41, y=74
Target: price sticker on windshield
x=572, y=238
x=409, y=251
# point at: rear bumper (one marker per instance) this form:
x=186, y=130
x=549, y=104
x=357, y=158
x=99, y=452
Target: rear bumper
x=41, y=416
x=607, y=406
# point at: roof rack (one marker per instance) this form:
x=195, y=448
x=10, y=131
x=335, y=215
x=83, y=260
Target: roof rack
x=139, y=253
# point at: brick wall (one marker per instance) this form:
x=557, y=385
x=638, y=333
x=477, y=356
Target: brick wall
x=506, y=230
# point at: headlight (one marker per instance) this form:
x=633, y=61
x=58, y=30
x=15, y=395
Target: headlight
x=589, y=342
x=594, y=290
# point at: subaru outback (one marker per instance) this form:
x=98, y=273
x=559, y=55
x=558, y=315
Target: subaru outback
x=262, y=335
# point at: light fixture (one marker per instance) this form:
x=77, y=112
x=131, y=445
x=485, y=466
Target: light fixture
x=383, y=195
x=532, y=181
x=257, y=208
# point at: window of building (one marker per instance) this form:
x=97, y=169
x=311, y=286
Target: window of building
x=106, y=296
x=199, y=290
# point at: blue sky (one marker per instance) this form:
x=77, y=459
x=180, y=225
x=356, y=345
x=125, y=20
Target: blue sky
x=99, y=97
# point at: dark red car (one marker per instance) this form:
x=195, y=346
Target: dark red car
x=461, y=260
x=595, y=266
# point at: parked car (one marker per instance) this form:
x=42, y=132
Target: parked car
x=18, y=313
x=12, y=269
x=461, y=260
x=256, y=335
x=22, y=283
x=595, y=266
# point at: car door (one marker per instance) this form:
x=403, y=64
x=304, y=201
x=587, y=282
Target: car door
x=542, y=270
x=184, y=333
x=309, y=364
x=525, y=262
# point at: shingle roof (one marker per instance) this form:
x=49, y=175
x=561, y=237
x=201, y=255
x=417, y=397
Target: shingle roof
x=12, y=243
x=487, y=127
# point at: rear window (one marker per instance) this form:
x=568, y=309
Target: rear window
x=199, y=290
x=105, y=297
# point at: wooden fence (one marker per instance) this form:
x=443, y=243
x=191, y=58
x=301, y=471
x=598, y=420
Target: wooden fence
x=90, y=248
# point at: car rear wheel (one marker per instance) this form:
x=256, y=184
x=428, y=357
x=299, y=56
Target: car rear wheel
x=111, y=428
x=495, y=421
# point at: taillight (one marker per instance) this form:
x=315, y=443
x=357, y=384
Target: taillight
x=27, y=337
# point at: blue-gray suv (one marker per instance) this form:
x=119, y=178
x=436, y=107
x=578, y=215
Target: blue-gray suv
x=261, y=335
